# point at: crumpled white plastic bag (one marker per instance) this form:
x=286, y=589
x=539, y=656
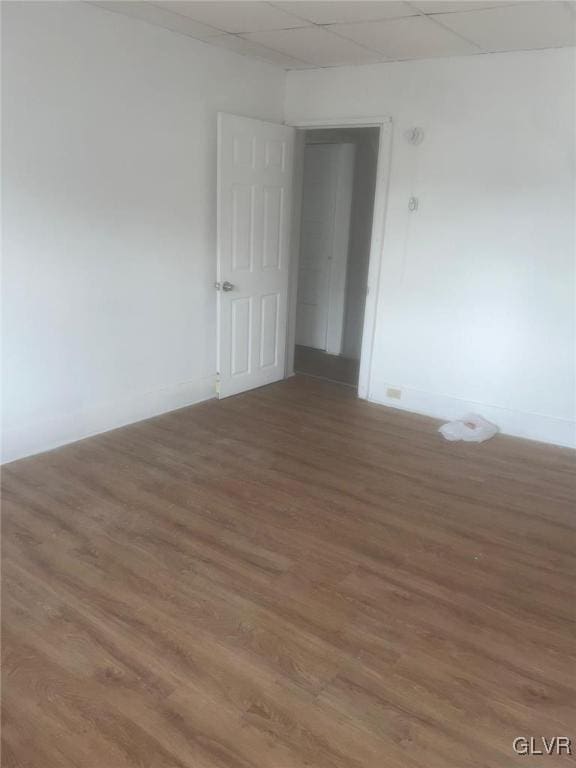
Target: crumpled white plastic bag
x=471, y=428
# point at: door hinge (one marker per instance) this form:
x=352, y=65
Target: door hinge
x=217, y=383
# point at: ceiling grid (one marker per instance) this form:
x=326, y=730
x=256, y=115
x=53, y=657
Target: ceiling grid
x=306, y=34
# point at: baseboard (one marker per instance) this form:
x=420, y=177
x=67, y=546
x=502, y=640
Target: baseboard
x=531, y=426
x=37, y=437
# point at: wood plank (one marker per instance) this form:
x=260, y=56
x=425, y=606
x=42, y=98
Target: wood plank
x=287, y=578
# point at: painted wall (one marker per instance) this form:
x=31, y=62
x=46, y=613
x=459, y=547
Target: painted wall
x=476, y=297
x=109, y=158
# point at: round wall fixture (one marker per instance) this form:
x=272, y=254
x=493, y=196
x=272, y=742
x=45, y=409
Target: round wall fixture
x=414, y=136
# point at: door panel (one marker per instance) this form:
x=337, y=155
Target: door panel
x=273, y=207
x=269, y=333
x=254, y=198
x=242, y=234
x=326, y=209
x=241, y=320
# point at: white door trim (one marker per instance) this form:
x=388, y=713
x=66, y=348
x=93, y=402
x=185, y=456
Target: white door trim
x=343, y=122
x=384, y=123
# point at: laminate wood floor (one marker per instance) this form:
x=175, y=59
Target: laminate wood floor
x=315, y=362
x=287, y=578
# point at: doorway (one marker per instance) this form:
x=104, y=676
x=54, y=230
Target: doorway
x=258, y=247
x=337, y=206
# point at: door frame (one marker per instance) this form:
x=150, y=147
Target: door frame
x=384, y=123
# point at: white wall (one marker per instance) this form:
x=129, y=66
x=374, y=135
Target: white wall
x=109, y=223
x=109, y=166
x=476, y=297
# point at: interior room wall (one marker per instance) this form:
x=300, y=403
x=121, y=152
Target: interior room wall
x=475, y=305
x=109, y=223
x=109, y=216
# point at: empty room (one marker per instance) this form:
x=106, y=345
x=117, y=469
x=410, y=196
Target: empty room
x=288, y=384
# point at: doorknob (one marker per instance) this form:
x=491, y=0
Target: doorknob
x=225, y=286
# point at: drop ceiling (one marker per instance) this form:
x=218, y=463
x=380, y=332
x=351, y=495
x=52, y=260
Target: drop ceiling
x=300, y=34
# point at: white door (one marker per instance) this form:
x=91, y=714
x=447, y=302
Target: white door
x=324, y=241
x=254, y=202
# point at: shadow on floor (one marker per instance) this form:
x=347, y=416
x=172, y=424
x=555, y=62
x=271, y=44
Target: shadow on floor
x=315, y=362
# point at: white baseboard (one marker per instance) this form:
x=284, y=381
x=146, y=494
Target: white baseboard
x=39, y=436
x=531, y=426
x=36, y=437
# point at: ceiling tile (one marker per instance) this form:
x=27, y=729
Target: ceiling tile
x=251, y=48
x=413, y=38
x=447, y=6
x=522, y=26
x=323, y=12
x=160, y=16
x=316, y=45
x=235, y=16
x=449, y=31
